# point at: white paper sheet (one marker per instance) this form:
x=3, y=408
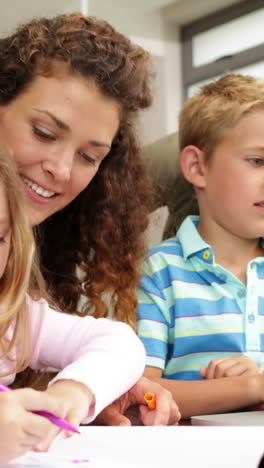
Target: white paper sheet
x=155, y=447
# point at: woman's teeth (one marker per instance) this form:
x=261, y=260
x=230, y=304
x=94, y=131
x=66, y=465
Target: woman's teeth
x=39, y=190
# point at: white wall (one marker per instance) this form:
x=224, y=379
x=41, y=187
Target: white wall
x=150, y=30
x=161, y=118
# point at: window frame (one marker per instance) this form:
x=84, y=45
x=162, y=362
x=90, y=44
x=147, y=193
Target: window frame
x=190, y=74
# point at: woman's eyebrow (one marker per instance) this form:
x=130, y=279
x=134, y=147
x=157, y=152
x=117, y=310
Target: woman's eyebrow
x=64, y=126
x=99, y=144
x=55, y=119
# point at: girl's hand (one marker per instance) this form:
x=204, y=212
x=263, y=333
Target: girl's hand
x=76, y=399
x=166, y=412
x=20, y=429
x=230, y=366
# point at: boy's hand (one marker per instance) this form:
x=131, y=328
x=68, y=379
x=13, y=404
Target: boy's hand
x=230, y=366
x=75, y=399
x=20, y=429
x=166, y=412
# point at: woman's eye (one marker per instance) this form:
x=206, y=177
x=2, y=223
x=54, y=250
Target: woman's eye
x=42, y=135
x=256, y=161
x=2, y=240
x=88, y=158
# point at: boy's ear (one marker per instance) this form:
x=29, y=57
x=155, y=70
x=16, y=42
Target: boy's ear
x=193, y=166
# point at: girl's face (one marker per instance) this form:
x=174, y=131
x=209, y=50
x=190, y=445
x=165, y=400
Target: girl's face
x=59, y=131
x=5, y=229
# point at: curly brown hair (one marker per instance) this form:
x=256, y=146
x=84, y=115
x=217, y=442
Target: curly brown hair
x=101, y=231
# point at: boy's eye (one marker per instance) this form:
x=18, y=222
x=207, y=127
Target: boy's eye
x=256, y=161
x=42, y=135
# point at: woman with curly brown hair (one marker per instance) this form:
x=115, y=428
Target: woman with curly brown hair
x=70, y=89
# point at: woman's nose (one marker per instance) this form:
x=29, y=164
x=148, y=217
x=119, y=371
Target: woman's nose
x=59, y=165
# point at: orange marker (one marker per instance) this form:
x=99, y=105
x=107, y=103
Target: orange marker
x=150, y=399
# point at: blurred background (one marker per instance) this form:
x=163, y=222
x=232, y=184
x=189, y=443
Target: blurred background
x=191, y=43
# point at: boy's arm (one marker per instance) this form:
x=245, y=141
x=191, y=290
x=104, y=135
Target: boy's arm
x=193, y=397
x=211, y=396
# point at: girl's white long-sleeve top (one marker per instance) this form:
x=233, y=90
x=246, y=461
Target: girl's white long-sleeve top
x=104, y=355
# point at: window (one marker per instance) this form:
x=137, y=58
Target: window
x=231, y=40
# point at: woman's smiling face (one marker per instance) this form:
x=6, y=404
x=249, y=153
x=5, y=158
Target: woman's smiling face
x=59, y=131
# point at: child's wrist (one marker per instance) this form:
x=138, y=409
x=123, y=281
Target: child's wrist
x=75, y=386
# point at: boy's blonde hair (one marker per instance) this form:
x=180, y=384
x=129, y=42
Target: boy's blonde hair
x=207, y=117
x=18, y=274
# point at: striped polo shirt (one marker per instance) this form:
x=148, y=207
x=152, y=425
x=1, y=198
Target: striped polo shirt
x=191, y=310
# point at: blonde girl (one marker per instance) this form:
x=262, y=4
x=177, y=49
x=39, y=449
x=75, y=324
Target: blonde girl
x=94, y=354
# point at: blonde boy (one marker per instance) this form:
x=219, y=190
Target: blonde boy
x=201, y=298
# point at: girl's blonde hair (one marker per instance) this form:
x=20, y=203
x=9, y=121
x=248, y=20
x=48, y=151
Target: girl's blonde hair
x=17, y=276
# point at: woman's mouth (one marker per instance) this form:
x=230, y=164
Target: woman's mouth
x=37, y=188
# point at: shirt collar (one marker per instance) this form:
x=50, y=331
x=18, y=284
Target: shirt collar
x=191, y=241
x=193, y=244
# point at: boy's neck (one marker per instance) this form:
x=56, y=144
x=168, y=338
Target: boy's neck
x=232, y=252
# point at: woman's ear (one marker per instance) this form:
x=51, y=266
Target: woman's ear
x=193, y=166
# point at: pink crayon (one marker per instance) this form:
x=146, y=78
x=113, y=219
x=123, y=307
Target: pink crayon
x=62, y=423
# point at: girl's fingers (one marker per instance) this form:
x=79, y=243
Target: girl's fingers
x=44, y=444
x=74, y=417
x=34, y=400
x=36, y=425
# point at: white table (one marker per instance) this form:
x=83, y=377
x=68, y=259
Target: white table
x=160, y=447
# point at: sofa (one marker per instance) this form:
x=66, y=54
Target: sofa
x=173, y=197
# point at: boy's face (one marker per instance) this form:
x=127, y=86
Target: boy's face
x=233, y=192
